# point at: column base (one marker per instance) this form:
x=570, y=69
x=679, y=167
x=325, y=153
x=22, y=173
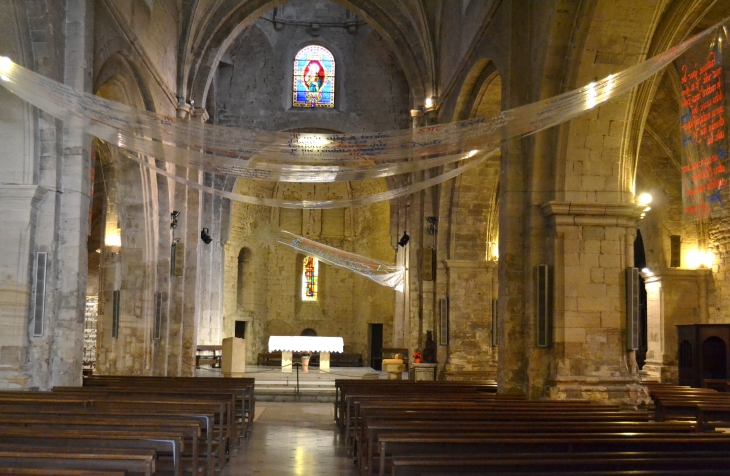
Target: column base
x=13, y=379
x=656, y=371
x=623, y=391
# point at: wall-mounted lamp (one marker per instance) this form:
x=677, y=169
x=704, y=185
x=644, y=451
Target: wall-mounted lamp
x=173, y=219
x=205, y=236
x=404, y=239
x=644, y=199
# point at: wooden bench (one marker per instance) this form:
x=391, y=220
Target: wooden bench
x=208, y=355
x=563, y=443
x=132, y=462
x=245, y=405
x=189, y=428
x=374, y=428
x=632, y=462
x=58, y=472
x=345, y=387
x=167, y=443
x=164, y=406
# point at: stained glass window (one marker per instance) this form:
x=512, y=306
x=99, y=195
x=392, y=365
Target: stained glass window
x=309, y=279
x=314, y=78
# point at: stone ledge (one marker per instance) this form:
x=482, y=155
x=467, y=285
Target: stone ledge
x=620, y=390
x=591, y=214
x=676, y=273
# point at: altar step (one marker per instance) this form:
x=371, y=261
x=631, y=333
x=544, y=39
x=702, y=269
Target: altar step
x=273, y=385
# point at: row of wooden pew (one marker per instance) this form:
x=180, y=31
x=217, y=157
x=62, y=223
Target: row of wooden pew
x=428, y=428
x=125, y=425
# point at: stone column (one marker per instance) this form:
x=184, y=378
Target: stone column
x=674, y=296
x=19, y=206
x=470, y=351
x=592, y=245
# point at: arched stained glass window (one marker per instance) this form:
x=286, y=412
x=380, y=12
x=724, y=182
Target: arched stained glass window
x=309, y=278
x=314, y=78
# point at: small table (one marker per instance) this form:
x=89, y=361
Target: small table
x=289, y=344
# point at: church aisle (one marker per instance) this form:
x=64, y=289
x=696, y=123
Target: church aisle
x=291, y=439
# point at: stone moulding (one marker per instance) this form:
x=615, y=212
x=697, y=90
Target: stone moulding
x=591, y=214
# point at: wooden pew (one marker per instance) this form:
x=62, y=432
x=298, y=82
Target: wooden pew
x=366, y=441
x=564, y=464
x=245, y=405
x=220, y=403
x=204, y=421
x=57, y=472
x=163, y=442
x=132, y=462
x=345, y=388
x=189, y=428
x=564, y=443
x=136, y=404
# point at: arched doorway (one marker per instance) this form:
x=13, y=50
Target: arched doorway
x=714, y=359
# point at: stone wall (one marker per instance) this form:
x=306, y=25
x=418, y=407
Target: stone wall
x=272, y=303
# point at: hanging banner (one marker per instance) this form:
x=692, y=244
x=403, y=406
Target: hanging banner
x=382, y=273
x=705, y=168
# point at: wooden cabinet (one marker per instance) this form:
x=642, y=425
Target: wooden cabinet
x=703, y=353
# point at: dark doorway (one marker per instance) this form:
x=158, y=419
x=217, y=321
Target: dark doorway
x=640, y=263
x=375, y=337
x=714, y=359
x=240, y=331
x=309, y=332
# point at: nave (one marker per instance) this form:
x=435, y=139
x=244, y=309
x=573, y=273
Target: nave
x=292, y=438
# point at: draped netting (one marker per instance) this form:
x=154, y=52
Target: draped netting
x=379, y=271
x=317, y=158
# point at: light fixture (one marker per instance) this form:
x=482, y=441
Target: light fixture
x=700, y=259
x=429, y=103
x=173, y=219
x=5, y=65
x=404, y=239
x=205, y=236
x=644, y=199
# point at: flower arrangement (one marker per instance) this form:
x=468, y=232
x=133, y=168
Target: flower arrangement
x=306, y=353
x=417, y=356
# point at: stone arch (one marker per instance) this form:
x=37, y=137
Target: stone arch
x=197, y=60
x=132, y=268
x=467, y=233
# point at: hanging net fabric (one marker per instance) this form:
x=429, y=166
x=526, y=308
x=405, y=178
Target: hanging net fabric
x=315, y=158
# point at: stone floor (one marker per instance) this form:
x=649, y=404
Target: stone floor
x=292, y=439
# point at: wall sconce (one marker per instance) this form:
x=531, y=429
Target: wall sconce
x=173, y=219
x=205, y=236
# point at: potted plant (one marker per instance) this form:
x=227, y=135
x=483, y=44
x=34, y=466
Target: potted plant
x=306, y=355
x=417, y=357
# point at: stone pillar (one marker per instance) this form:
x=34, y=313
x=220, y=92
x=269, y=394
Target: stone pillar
x=592, y=245
x=470, y=352
x=19, y=206
x=674, y=296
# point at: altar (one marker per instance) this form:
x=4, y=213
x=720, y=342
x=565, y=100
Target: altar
x=288, y=344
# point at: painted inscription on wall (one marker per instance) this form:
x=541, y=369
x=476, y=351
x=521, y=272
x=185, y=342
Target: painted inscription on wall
x=705, y=167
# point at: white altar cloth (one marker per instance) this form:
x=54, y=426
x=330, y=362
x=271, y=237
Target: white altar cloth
x=306, y=343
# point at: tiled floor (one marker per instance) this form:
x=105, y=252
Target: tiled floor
x=292, y=439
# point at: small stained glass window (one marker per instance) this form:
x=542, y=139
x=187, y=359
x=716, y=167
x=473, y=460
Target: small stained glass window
x=314, y=78
x=309, y=279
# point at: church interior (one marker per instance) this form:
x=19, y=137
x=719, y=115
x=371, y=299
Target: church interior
x=527, y=195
